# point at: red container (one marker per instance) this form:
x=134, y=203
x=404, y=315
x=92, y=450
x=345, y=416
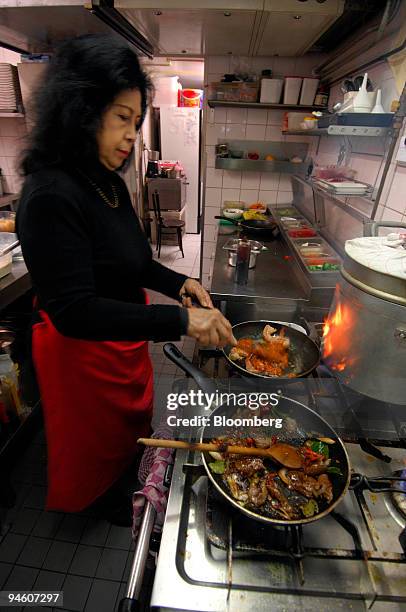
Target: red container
x=190, y=97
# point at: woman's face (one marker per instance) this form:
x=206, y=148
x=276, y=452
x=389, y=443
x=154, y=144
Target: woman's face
x=118, y=131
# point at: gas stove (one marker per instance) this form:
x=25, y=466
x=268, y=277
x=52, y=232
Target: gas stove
x=212, y=557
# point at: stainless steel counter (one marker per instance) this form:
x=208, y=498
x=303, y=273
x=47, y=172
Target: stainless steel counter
x=14, y=284
x=274, y=278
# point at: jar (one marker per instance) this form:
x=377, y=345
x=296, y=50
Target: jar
x=322, y=95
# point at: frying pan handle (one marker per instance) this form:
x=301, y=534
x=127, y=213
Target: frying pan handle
x=205, y=383
x=227, y=219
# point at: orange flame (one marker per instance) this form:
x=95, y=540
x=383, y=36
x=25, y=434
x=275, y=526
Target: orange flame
x=336, y=332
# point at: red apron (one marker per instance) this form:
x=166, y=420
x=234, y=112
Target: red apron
x=97, y=400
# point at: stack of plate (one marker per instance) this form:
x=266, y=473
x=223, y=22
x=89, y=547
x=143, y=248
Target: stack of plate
x=344, y=187
x=10, y=94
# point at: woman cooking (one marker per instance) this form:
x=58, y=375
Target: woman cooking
x=89, y=261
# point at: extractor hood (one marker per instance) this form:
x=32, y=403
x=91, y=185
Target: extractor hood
x=238, y=27
x=37, y=26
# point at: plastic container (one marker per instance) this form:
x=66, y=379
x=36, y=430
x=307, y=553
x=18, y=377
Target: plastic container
x=7, y=221
x=309, y=89
x=322, y=264
x=295, y=120
x=302, y=233
x=271, y=91
x=292, y=89
x=191, y=98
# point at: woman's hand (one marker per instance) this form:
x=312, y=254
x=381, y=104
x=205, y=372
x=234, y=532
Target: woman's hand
x=209, y=327
x=192, y=288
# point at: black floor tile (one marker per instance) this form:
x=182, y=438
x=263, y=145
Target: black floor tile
x=11, y=546
x=25, y=520
x=71, y=528
x=60, y=556
x=22, y=492
x=75, y=592
x=5, y=569
x=119, y=537
x=36, y=498
x=96, y=532
x=112, y=564
x=34, y=551
x=47, y=524
x=128, y=565
x=102, y=596
x=86, y=560
x=49, y=581
x=121, y=594
x=21, y=579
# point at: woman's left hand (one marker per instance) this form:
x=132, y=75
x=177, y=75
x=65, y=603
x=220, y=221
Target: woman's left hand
x=191, y=288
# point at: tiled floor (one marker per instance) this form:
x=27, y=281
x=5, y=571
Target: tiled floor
x=172, y=257
x=85, y=557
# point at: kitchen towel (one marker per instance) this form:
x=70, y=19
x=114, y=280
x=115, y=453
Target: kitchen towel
x=151, y=474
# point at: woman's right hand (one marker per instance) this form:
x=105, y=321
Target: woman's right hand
x=210, y=327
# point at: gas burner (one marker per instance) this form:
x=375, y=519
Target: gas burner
x=399, y=499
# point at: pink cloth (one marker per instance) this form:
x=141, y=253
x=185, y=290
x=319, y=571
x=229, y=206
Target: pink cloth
x=152, y=473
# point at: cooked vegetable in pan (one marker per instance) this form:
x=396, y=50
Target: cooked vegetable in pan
x=262, y=486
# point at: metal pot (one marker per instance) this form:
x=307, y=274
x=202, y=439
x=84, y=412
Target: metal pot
x=231, y=247
x=365, y=336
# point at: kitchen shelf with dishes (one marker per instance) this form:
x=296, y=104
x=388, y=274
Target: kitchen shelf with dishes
x=360, y=204
x=12, y=115
x=262, y=156
x=243, y=104
x=320, y=263
x=261, y=165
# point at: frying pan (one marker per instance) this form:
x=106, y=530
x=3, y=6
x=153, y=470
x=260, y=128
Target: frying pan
x=299, y=423
x=309, y=425
x=266, y=228
x=304, y=355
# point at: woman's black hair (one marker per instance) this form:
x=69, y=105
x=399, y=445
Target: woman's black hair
x=82, y=80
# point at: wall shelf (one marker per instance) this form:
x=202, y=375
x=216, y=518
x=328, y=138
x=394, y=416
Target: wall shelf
x=342, y=130
x=296, y=107
x=260, y=165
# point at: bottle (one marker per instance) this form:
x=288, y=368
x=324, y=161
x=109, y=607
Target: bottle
x=243, y=261
x=322, y=95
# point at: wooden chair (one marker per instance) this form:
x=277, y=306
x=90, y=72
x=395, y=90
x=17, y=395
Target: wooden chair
x=162, y=224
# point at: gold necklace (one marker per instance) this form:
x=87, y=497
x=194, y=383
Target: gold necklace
x=106, y=200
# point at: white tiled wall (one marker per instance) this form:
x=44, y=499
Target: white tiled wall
x=12, y=138
x=244, y=124
x=369, y=167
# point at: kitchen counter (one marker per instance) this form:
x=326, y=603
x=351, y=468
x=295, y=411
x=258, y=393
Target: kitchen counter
x=275, y=276
x=14, y=284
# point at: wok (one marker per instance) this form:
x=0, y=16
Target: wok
x=304, y=355
x=266, y=228
x=299, y=424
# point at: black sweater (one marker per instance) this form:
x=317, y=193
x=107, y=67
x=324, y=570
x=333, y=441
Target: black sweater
x=88, y=262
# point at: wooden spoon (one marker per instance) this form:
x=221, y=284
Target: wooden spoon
x=285, y=454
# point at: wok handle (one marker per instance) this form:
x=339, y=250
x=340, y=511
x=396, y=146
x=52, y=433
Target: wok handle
x=205, y=383
x=234, y=221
